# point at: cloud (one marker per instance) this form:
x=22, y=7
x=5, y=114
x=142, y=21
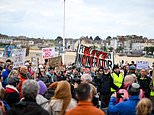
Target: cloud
x=44, y=18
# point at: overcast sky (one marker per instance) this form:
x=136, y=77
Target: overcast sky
x=44, y=18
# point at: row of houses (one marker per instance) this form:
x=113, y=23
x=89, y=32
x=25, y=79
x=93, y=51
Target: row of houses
x=128, y=43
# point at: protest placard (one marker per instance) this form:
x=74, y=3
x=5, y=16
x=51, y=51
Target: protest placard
x=56, y=61
x=87, y=56
x=48, y=53
x=19, y=57
x=142, y=65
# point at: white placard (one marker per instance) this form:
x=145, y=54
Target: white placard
x=19, y=57
x=142, y=65
x=48, y=53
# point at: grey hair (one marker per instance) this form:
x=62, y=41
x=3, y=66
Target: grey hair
x=30, y=89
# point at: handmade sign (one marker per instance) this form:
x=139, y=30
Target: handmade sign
x=87, y=56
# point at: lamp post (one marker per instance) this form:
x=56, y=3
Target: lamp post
x=63, y=35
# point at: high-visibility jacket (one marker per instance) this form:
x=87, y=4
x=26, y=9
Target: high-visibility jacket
x=152, y=91
x=117, y=80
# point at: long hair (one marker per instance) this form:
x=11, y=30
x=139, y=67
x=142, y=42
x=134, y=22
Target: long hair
x=63, y=91
x=144, y=107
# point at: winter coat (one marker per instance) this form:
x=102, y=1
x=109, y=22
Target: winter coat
x=55, y=106
x=5, y=76
x=43, y=102
x=11, y=95
x=27, y=108
x=124, y=108
x=106, y=82
x=85, y=108
x=145, y=85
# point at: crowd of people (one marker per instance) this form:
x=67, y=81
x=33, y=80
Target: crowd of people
x=72, y=90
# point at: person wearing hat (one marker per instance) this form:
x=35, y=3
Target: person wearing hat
x=28, y=105
x=12, y=94
x=6, y=73
x=132, y=69
x=106, y=82
x=126, y=107
x=117, y=77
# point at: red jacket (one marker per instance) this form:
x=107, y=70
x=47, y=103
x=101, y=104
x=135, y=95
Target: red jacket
x=85, y=108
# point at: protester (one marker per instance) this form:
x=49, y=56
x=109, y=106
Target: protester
x=30, y=70
x=117, y=77
x=86, y=78
x=13, y=73
x=85, y=106
x=6, y=73
x=122, y=94
x=62, y=100
x=144, y=82
x=28, y=105
x=144, y=107
x=126, y=107
x=152, y=91
x=106, y=82
x=39, y=98
x=2, y=107
x=51, y=74
x=22, y=76
x=12, y=94
x=43, y=77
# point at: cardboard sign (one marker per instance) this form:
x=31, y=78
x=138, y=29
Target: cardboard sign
x=142, y=65
x=56, y=61
x=35, y=62
x=48, y=53
x=19, y=57
x=87, y=56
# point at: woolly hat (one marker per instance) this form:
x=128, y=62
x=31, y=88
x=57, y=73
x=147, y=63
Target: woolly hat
x=132, y=67
x=13, y=80
x=134, y=88
x=42, y=87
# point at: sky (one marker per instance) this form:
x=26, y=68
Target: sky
x=45, y=18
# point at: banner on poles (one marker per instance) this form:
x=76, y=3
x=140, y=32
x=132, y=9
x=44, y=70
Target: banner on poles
x=142, y=65
x=19, y=57
x=48, y=53
x=56, y=61
x=87, y=56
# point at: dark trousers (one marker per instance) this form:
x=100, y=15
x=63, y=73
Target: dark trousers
x=105, y=99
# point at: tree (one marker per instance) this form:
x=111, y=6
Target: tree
x=110, y=49
x=59, y=38
x=103, y=48
x=97, y=38
x=108, y=38
x=149, y=50
x=91, y=38
x=119, y=49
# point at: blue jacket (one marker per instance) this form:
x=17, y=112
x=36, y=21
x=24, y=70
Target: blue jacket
x=5, y=76
x=124, y=108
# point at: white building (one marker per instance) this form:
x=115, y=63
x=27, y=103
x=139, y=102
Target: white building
x=114, y=43
x=5, y=40
x=138, y=46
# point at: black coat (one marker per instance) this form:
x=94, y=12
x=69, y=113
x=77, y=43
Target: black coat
x=27, y=108
x=106, y=82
